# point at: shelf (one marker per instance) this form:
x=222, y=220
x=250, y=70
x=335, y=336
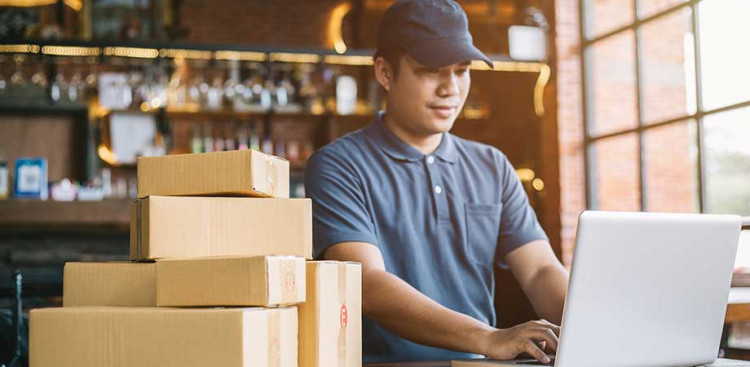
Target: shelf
x=238, y=115
x=26, y=108
x=227, y=114
x=16, y=213
x=205, y=52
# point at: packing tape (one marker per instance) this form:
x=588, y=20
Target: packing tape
x=288, y=281
x=343, y=315
x=274, y=338
x=138, y=230
x=272, y=174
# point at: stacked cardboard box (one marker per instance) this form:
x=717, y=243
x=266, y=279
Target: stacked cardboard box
x=219, y=277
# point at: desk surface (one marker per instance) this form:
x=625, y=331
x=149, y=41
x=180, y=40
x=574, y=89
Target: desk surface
x=718, y=363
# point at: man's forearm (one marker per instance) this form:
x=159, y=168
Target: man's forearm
x=547, y=292
x=406, y=312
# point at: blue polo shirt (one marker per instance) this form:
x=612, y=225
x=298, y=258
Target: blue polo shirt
x=442, y=221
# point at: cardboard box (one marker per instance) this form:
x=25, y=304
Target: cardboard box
x=178, y=227
x=122, y=284
x=233, y=173
x=231, y=281
x=163, y=337
x=330, y=321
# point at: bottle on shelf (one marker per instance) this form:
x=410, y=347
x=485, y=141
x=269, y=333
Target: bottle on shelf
x=292, y=151
x=196, y=141
x=215, y=94
x=280, y=146
x=218, y=141
x=229, y=143
x=4, y=177
x=242, y=142
x=208, y=140
x=266, y=142
x=254, y=136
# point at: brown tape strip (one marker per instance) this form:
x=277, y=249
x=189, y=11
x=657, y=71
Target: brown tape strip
x=274, y=338
x=343, y=315
x=288, y=281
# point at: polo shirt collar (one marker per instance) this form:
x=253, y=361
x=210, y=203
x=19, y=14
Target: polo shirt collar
x=397, y=149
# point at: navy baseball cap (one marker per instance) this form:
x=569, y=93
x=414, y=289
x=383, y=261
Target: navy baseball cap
x=433, y=32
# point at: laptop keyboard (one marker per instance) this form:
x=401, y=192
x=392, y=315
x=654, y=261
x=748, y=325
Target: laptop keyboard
x=537, y=363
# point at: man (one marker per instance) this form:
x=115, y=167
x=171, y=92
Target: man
x=428, y=214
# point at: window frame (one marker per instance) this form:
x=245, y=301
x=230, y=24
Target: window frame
x=642, y=127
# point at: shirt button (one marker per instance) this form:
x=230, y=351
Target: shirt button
x=438, y=190
x=430, y=159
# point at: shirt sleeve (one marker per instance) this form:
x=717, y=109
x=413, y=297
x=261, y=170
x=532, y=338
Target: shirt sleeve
x=340, y=211
x=518, y=222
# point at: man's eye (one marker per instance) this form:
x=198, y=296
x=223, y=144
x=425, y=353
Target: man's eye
x=462, y=71
x=431, y=70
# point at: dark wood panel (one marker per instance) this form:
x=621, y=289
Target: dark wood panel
x=38, y=214
x=60, y=139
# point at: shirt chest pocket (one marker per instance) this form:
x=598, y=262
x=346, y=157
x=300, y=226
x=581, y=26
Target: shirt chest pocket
x=482, y=231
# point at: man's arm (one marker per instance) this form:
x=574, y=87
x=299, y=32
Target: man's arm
x=403, y=310
x=542, y=277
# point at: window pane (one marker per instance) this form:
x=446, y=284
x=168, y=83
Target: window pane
x=616, y=164
x=727, y=157
x=668, y=67
x=724, y=52
x=671, y=168
x=607, y=15
x=611, y=75
x=647, y=8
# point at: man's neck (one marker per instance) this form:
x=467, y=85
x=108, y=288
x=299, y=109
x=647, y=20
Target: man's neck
x=425, y=144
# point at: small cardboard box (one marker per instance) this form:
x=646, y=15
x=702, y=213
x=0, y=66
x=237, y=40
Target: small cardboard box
x=117, y=283
x=330, y=321
x=231, y=281
x=179, y=227
x=232, y=173
x=163, y=337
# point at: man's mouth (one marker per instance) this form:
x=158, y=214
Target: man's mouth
x=444, y=111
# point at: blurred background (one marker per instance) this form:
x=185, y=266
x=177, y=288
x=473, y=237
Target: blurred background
x=637, y=105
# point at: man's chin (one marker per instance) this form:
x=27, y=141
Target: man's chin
x=439, y=126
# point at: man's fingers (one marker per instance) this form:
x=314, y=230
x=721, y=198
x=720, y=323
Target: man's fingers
x=533, y=350
x=549, y=325
x=545, y=335
x=542, y=345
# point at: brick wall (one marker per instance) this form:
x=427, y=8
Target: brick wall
x=570, y=122
x=258, y=22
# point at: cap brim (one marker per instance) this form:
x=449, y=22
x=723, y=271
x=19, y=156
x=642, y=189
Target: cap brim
x=445, y=52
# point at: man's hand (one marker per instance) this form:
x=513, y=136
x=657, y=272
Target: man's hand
x=404, y=311
x=532, y=337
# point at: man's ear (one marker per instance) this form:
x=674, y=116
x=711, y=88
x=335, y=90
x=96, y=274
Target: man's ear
x=383, y=73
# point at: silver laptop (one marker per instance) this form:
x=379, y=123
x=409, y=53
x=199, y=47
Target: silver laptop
x=646, y=289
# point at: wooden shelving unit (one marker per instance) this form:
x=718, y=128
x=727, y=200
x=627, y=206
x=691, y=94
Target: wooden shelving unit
x=18, y=214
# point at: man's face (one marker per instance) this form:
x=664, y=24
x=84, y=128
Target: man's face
x=426, y=101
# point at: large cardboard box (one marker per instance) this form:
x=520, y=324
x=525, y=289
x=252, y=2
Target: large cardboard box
x=164, y=227
x=123, y=284
x=163, y=337
x=330, y=321
x=233, y=173
x=231, y=281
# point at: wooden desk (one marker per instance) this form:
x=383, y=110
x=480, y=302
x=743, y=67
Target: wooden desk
x=718, y=363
